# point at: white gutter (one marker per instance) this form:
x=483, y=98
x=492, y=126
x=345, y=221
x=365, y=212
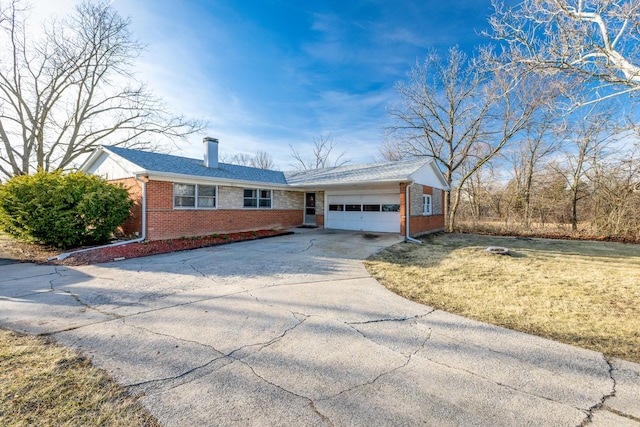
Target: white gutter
x=407, y=215
x=143, y=236
x=172, y=177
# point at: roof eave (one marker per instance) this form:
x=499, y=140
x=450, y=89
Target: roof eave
x=95, y=155
x=348, y=184
x=171, y=176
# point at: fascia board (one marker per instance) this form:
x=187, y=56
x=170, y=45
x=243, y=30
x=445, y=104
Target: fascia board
x=172, y=177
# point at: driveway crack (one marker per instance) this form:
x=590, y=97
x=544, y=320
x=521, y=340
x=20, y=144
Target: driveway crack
x=371, y=382
x=312, y=404
x=391, y=319
x=179, y=379
x=409, y=356
x=602, y=404
x=271, y=341
x=196, y=270
x=84, y=304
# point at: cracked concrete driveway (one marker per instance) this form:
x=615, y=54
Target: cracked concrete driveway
x=293, y=331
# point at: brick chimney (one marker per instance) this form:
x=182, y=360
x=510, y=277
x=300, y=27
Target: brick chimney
x=210, y=152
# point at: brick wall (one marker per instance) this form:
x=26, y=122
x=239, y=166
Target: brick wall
x=415, y=195
x=283, y=199
x=420, y=224
x=438, y=201
x=133, y=224
x=164, y=222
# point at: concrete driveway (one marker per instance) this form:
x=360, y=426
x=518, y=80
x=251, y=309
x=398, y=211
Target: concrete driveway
x=293, y=331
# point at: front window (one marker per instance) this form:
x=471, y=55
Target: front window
x=194, y=196
x=207, y=196
x=184, y=195
x=257, y=198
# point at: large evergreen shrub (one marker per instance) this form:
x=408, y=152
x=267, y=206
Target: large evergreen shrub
x=64, y=210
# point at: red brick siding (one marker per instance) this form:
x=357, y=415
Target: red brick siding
x=133, y=224
x=320, y=220
x=421, y=224
x=164, y=222
x=403, y=209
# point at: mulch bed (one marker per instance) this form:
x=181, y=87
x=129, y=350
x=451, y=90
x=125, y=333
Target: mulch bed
x=141, y=249
x=133, y=250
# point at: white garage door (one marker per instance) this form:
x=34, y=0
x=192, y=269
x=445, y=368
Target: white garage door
x=364, y=212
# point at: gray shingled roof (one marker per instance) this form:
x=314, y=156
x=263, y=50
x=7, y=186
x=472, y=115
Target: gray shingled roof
x=352, y=174
x=349, y=174
x=157, y=162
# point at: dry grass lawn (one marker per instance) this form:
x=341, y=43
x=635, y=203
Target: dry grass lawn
x=579, y=292
x=44, y=384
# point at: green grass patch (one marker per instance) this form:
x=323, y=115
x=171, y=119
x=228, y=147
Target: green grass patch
x=578, y=292
x=45, y=384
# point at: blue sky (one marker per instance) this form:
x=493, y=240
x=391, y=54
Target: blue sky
x=272, y=73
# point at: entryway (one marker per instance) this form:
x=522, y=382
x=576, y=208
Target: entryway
x=310, y=209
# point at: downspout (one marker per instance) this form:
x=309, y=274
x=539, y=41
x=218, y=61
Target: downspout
x=407, y=207
x=142, y=237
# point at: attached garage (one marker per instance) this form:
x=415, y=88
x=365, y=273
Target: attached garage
x=371, y=211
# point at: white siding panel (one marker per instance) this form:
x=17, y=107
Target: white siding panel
x=110, y=168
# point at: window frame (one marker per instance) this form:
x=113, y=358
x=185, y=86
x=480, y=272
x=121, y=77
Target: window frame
x=196, y=197
x=259, y=199
x=427, y=204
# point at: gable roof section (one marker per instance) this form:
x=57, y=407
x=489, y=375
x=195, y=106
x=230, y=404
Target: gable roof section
x=175, y=165
x=424, y=171
x=360, y=174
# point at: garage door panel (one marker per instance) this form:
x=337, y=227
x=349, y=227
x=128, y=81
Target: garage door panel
x=363, y=220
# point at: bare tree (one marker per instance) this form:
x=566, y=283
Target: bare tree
x=595, y=41
x=587, y=139
x=322, y=155
x=242, y=159
x=73, y=89
x=462, y=115
x=391, y=151
x=262, y=160
x=540, y=140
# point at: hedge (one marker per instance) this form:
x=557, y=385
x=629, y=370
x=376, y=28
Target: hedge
x=63, y=210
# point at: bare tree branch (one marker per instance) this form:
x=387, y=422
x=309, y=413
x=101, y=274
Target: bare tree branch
x=461, y=114
x=260, y=160
x=73, y=89
x=321, y=156
x=595, y=43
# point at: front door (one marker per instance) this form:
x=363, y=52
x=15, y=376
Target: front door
x=310, y=209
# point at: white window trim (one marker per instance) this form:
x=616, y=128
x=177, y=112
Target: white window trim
x=258, y=190
x=192, y=208
x=427, y=204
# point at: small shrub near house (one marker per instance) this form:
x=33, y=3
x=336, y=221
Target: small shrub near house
x=64, y=210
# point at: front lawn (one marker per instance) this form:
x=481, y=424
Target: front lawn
x=578, y=292
x=44, y=384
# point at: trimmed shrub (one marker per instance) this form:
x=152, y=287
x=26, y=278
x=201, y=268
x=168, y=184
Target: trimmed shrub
x=64, y=210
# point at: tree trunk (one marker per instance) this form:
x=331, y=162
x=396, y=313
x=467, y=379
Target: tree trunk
x=574, y=211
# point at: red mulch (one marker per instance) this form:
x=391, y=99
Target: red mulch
x=136, y=250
